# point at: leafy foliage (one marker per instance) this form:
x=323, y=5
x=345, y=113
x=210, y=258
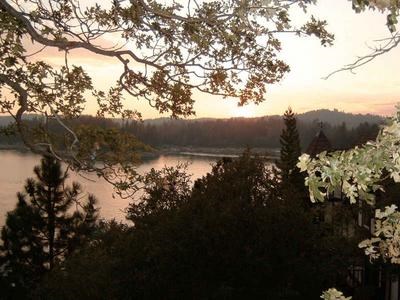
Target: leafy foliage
x=385, y=242
x=388, y=6
x=359, y=173
x=334, y=294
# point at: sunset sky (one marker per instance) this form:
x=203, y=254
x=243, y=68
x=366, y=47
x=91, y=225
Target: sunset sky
x=375, y=88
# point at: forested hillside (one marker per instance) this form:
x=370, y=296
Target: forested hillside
x=343, y=129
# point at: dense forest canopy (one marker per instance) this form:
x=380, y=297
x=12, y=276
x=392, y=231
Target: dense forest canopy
x=343, y=130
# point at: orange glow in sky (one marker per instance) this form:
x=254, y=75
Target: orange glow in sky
x=375, y=88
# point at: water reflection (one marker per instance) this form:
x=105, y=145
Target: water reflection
x=16, y=167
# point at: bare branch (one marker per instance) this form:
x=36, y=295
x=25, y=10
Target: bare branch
x=377, y=51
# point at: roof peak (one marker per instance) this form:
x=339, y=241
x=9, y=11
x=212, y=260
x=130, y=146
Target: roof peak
x=319, y=144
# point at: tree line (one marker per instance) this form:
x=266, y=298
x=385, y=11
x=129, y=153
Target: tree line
x=242, y=132
x=235, y=132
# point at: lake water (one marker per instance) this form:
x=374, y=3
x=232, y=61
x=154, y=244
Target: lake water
x=16, y=167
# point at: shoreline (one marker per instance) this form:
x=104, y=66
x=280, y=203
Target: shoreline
x=206, y=152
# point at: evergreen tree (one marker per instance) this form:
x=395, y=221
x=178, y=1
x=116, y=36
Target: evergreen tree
x=292, y=181
x=43, y=228
x=290, y=146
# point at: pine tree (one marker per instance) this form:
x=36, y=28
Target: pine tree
x=290, y=146
x=292, y=181
x=48, y=223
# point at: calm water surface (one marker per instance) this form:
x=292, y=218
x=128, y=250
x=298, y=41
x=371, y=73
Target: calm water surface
x=16, y=167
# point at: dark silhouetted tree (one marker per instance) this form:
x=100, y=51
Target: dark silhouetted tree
x=292, y=180
x=48, y=223
x=233, y=237
x=290, y=145
x=164, y=190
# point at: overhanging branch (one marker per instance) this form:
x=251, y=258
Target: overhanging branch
x=391, y=43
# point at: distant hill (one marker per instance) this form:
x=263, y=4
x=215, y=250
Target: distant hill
x=6, y=120
x=161, y=121
x=335, y=117
x=332, y=117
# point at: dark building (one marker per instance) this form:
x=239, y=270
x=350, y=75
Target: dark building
x=319, y=144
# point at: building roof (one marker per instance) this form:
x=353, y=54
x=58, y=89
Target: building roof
x=319, y=144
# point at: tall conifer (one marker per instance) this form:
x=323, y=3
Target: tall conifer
x=48, y=223
x=292, y=181
x=290, y=146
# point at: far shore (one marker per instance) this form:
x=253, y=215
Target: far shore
x=270, y=154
